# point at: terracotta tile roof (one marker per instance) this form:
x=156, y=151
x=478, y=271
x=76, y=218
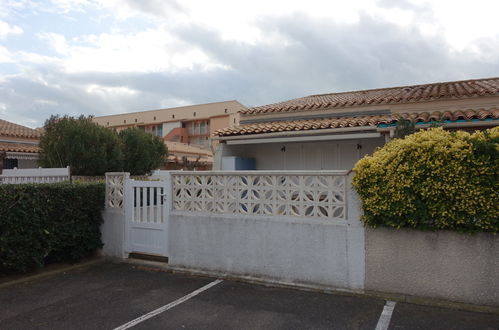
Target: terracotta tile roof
x=357, y=121
x=18, y=147
x=393, y=95
x=14, y=130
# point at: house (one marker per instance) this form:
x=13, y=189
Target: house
x=333, y=131
x=18, y=146
x=186, y=130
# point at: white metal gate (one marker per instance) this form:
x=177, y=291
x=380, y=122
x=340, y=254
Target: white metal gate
x=147, y=206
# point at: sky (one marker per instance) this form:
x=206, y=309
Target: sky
x=101, y=57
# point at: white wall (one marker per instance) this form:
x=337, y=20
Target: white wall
x=329, y=155
x=113, y=232
x=290, y=250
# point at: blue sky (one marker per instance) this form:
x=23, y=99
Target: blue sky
x=101, y=57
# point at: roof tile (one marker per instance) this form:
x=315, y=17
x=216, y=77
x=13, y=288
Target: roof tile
x=14, y=130
x=393, y=95
x=357, y=121
x=18, y=147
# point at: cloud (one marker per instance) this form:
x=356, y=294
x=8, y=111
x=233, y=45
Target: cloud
x=151, y=50
x=5, y=55
x=8, y=30
x=320, y=56
x=285, y=56
x=155, y=7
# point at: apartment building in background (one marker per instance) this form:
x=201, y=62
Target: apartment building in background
x=186, y=130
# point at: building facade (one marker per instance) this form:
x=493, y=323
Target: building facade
x=186, y=130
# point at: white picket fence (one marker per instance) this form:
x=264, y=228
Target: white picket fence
x=35, y=175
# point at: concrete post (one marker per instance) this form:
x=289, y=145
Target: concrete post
x=113, y=227
x=356, y=254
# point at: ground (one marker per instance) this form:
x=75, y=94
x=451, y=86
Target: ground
x=109, y=295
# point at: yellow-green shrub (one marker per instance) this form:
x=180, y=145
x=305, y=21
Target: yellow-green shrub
x=433, y=179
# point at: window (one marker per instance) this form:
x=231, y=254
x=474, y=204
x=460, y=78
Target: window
x=10, y=163
x=159, y=130
x=198, y=127
x=155, y=130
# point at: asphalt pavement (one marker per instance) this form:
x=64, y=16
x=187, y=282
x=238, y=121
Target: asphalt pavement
x=111, y=295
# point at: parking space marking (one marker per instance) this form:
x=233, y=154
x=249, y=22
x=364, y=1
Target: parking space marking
x=168, y=306
x=386, y=315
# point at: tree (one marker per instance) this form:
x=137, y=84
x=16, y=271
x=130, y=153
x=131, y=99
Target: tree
x=142, y=151
x=89, y=149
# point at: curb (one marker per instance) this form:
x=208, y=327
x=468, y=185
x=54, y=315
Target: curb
x=52, y=272
x=269, y=282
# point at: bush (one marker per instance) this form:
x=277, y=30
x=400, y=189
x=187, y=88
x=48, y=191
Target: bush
x=43, y=223
x=431, y=180
x=89, y=149
x=142, y=151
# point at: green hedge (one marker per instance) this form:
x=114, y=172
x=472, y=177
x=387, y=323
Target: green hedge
x=44, y=223
x=431, y=180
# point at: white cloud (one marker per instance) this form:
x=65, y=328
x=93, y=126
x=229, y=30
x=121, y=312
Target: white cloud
x=56, y=41
x=105, y=91
x=152, y=50
x=30, y=58
x=43, y=102
x=164, y=53
x=7, y=30
x=5, y=55
x=173, y=103
x=66, y=6
x=460, y=23
x=465, y=22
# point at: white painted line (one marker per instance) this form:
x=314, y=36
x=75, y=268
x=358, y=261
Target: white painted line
x=167, y=307
x=386, y=315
